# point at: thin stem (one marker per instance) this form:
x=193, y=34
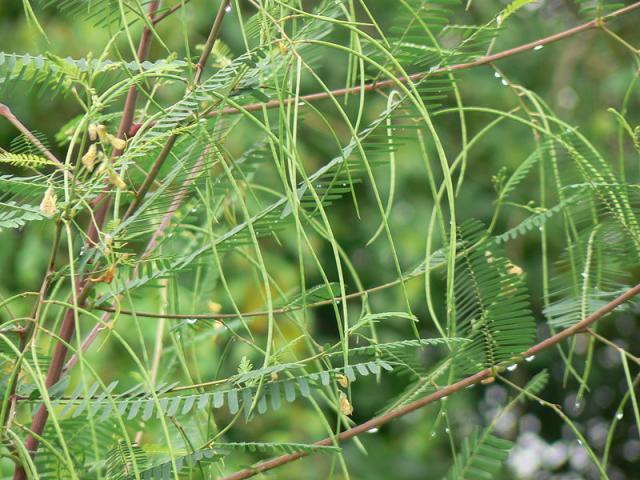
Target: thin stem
x=341, y=92
x=213, y=36
x=8, y=114
x=164, y=15
x=377, y=422
x=166, y=149
x=83, y=287
x=613, y=345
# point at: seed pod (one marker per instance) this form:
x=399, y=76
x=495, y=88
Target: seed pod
x=89, y=158
x=342, y=381
x=345, y=407
x=48, y=204
x=117, y=143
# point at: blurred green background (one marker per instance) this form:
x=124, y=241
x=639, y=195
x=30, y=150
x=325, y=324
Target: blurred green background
x=579, y=77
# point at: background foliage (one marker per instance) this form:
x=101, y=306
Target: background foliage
x=579, y=79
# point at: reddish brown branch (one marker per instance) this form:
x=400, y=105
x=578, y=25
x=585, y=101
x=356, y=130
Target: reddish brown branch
x=164, y=15
x=166, y=149
x=211, y=40
x=153, y=243
x=443, y=392
x=83, y=288
x=8, y=114
x=341, y=92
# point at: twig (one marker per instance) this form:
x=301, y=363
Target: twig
x=8, y=114
x=166, y=149
x=613, y=345
x=153, y=243
x=258, y=313
x=164, y=15
x=443, y=392
x=68, y=323
x=341, y=92
x=213, y=36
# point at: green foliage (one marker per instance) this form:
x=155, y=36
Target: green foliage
x=262, y=214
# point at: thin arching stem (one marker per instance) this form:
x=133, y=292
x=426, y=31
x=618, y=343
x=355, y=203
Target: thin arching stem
x=487, y=59
x=378, y=421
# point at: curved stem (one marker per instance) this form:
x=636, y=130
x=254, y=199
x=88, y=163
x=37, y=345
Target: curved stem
x=377, y=422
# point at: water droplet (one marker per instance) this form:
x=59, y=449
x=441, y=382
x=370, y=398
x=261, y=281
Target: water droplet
x=227, y=8
x=372, y=430
x=446, y=430
x=497, y=75
x=511, y=368
x=577, y=405
x=619, y=415
x=530, y=359
x=191, y=321
x=538, y=47
x=443, y=399
x=433, y=434
x=504, y=82
x=579, y=442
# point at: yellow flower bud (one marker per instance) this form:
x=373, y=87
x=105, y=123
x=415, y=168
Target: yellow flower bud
x=102, y=161
x=345, y=407
x=89, y=158
x=118, y=143
x=343, y=381
x=514, y=270
x=101, y=130
x=93, y=132
x=116, y=180
x=214, y=307
x=48, y=204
